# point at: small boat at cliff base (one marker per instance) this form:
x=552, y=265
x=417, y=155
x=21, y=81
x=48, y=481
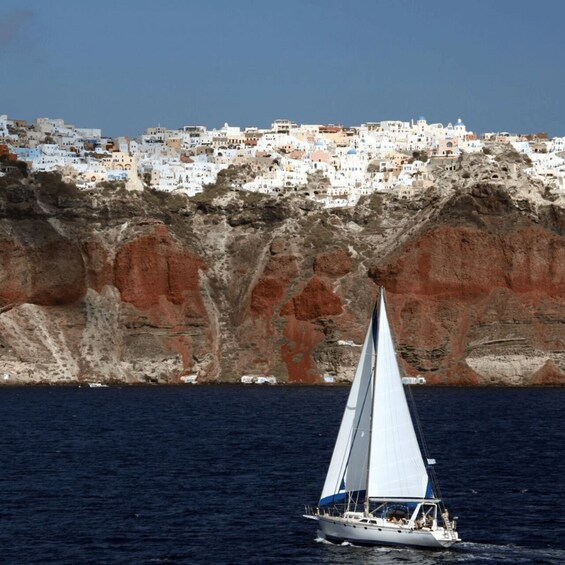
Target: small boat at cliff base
x=379, y=488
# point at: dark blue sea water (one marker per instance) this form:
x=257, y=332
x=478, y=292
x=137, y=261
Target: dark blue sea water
x=220, y=474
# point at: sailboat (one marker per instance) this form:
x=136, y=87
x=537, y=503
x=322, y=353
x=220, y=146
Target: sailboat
x=378, y=489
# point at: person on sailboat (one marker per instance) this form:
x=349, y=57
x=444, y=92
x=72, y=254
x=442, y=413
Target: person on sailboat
x=445, y=517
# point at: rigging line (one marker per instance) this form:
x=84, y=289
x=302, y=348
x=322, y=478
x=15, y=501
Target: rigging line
x=422, y=438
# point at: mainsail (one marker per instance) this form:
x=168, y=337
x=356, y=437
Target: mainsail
x=396, y=468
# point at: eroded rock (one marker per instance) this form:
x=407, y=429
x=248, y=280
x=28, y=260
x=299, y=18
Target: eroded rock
x=145, y=287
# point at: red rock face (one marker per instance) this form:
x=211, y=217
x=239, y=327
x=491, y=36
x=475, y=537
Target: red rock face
x=99, y=265
x=152, y=266
x=335, y=263
x=280, y=269
x=316, y=301
x=464, y=262
x=256, y=331
x=459, y=294
x=475, y=292
x=57, y=274
x=40, y=267
x=301, y=332
x=266, y=294
x=549, y=374
x=161, y=279
x=302, y=338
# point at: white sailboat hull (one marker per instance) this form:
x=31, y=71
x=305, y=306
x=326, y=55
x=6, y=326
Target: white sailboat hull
x=338, y=529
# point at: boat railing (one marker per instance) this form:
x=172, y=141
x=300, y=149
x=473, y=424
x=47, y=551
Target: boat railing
x=310, y=510
x=330, y=510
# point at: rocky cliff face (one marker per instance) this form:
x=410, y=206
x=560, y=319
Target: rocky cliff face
x=136, y=288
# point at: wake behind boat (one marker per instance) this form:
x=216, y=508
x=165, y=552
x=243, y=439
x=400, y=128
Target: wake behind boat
x=378, y=490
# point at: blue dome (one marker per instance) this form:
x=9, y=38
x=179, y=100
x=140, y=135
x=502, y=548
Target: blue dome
x=352, y=152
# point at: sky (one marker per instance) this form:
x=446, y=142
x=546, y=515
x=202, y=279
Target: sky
x=125, y=65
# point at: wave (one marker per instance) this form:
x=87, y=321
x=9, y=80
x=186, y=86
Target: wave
x=462, y=553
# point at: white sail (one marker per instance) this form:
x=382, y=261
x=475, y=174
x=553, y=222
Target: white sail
x=396, y=467
x=348, y=467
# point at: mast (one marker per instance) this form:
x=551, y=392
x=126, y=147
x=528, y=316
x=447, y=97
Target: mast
x=376, y=311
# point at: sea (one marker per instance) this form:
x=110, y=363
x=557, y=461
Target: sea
x=220, y=474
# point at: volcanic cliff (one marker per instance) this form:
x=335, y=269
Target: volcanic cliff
x=136, y=287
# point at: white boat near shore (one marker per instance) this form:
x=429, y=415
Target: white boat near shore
x=258, y=380
x=189, y=379
x=413, y=380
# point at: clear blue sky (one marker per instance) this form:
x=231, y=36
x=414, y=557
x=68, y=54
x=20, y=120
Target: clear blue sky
x=124, y=65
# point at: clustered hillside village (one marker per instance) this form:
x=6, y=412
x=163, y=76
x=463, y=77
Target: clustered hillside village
x=331, y=164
